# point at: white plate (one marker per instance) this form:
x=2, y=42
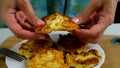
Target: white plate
x=11, y=63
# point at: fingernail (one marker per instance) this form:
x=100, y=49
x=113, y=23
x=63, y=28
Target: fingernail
x=40, y=23
x=76, y=20
x=41, y=37
x=44, y=38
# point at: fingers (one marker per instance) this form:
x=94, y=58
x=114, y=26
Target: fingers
x=87, y=36
x=25, y=34
x=93, y=34
x=86, y=14
x=21, y=18
x=25, y=6
x=16, y=28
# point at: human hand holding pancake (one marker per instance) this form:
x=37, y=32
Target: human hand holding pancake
x=20, y=18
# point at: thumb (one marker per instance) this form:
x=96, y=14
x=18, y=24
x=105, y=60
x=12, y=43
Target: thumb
x=25, y=6
x=84, y=17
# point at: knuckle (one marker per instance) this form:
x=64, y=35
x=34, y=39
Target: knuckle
x=110, y=19
x=92, y=34
x=19, y=35
x=33, y=17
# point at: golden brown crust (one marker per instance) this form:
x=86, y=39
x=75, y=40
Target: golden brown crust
x=67, y=52
x=30, y=48
x=47, y=58
x=84, y=60
x=56, y=22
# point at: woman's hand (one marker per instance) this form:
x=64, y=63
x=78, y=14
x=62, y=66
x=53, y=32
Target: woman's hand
x=19, y=16
x=97, y=16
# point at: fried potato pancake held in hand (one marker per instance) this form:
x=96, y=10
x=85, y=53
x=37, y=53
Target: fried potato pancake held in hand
x=56, y=22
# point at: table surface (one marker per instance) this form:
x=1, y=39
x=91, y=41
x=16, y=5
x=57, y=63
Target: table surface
x=111, y=30
x=111, y=50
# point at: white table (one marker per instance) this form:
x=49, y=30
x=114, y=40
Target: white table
x=113, y=29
